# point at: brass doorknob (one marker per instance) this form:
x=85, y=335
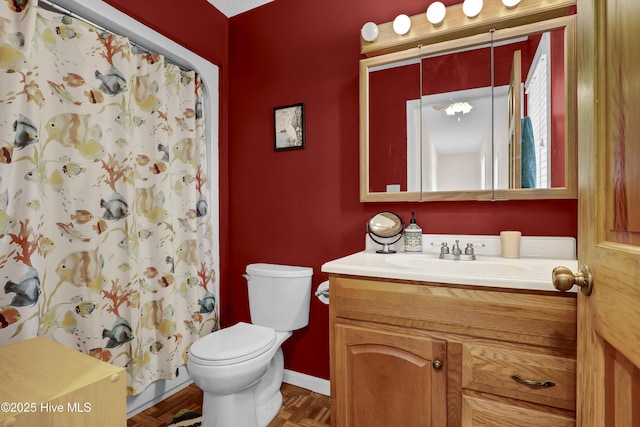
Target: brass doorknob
x=564, y=279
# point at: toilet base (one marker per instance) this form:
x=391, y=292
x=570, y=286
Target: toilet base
x=268, y=398
x=223, y=410
x=267, y=412
x=254, y=406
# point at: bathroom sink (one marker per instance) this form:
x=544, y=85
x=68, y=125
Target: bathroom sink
x=483, y=266
x=532, y=271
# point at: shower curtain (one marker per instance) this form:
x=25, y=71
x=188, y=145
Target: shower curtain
x=105, y=232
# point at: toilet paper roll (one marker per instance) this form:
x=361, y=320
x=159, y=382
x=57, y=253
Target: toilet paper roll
x=322, y=292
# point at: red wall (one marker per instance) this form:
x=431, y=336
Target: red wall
x=302, y=207
x=200, y=27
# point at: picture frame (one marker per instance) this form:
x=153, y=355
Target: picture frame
x=289, y=132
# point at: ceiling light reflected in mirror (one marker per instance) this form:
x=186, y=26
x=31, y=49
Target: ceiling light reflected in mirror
x=458, y=107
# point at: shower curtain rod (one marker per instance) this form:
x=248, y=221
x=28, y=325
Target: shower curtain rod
x=65, y=11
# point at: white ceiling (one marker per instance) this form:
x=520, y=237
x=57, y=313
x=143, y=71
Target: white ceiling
x=235, y=7
x=464, y=133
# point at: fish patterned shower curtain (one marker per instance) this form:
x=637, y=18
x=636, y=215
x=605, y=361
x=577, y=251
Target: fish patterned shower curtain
x=105, y=233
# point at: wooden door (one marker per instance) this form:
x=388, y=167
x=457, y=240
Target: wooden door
x=515, y=115
x=609, y=212
x=388, y=378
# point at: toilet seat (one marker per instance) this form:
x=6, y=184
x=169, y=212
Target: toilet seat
x=235, y=344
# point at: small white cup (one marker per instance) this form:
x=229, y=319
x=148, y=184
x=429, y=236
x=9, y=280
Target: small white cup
x=510, y=244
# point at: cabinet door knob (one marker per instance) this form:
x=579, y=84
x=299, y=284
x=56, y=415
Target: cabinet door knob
x=437, y=365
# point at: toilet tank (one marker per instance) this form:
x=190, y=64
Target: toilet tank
x=279, y=295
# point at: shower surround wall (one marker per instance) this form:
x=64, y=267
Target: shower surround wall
x=302, y=207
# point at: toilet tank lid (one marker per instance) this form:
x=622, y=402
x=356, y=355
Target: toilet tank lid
x=277, y=270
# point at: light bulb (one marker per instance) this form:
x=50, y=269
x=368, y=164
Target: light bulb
x=436, y=12
x=402, y=24
x=369, y=31
x=472, y=8
x=509, y=4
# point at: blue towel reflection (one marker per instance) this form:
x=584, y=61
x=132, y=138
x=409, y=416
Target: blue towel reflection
x=528, y=164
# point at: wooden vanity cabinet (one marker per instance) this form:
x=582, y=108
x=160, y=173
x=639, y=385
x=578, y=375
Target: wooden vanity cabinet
x=429, y=354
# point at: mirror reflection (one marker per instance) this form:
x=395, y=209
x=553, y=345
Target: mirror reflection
x=530, y=148
x=392, y=88
x=476, y=118
x=456, y=132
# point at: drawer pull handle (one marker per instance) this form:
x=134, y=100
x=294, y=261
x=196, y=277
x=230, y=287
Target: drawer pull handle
x=532, y=383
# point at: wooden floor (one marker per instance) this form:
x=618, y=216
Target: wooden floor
x=300, y=408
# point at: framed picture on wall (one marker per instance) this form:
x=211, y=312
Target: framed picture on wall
x=288, y=127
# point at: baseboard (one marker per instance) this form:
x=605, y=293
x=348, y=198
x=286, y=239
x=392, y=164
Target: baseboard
x=316, y=384
x=157, y=392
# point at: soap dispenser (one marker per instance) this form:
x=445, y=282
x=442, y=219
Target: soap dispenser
x=413, y=236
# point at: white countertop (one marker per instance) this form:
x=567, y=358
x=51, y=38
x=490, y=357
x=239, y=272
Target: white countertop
x=526, y=273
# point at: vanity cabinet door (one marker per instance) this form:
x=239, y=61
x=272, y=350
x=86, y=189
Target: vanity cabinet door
x=388, y=378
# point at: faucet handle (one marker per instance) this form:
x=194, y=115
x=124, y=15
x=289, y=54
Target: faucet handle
x=469, y=249
x=444, y=248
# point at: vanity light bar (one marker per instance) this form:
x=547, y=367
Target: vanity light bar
x=455, y=24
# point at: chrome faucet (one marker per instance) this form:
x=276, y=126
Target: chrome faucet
x=456, y=253
x=455, y=250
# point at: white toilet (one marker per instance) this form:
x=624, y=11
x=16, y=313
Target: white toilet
x=240, y=368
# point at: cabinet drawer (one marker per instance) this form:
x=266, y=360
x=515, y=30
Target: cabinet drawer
x=489, y=368
x=547, y=320
x=483, y=412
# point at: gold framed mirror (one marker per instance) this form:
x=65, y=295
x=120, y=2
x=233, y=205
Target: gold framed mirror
x=408, y=98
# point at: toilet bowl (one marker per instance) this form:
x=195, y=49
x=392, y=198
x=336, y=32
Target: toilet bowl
x=240, y=368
